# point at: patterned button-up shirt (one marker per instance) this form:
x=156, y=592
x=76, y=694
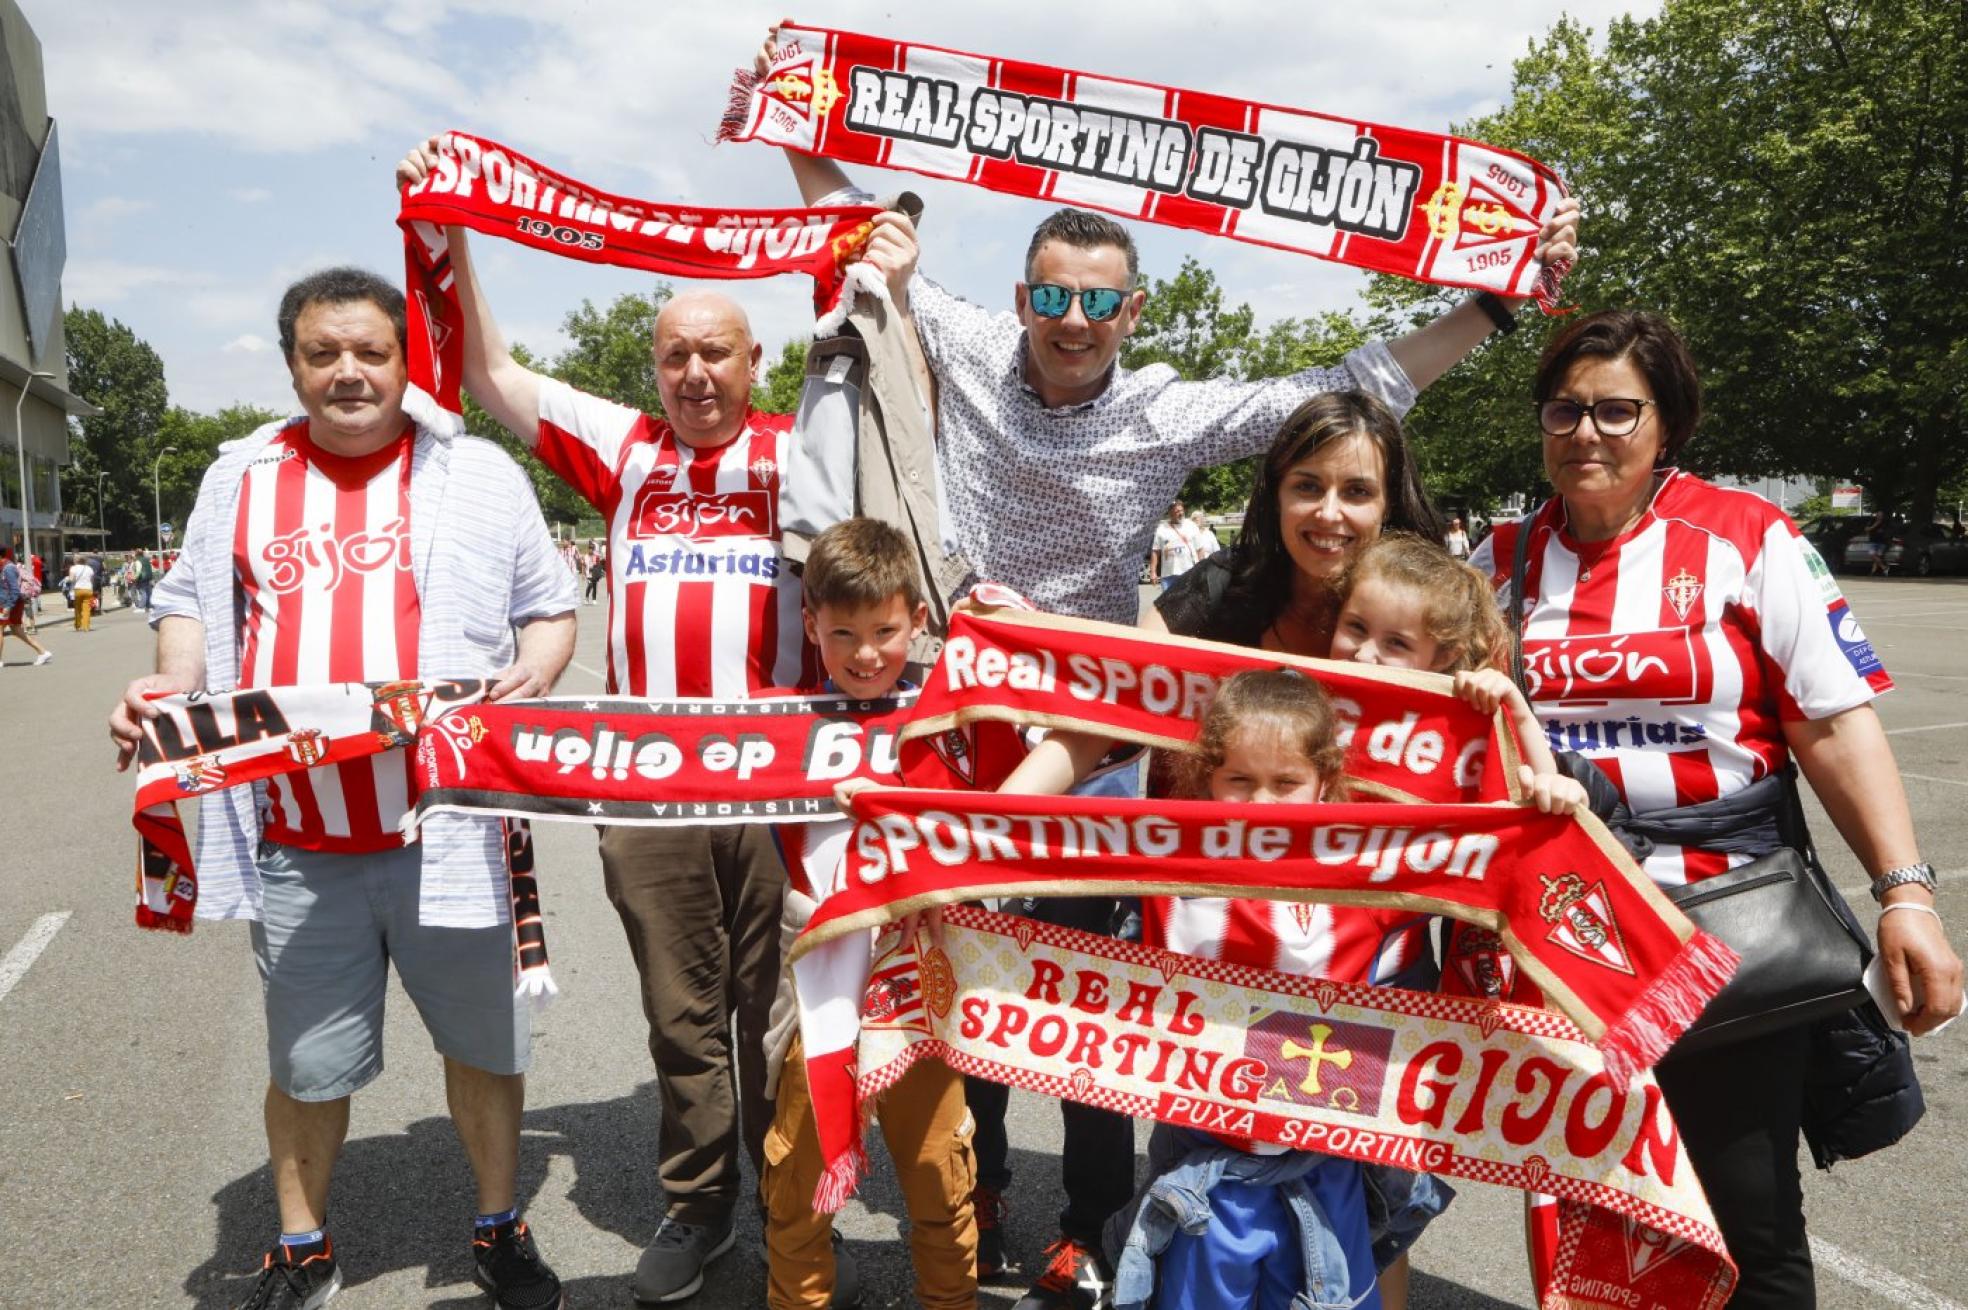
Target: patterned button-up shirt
x=1061, y=504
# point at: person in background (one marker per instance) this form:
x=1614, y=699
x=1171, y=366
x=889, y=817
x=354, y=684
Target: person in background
x=1456, y=539
x=13, y=607
x=81, y=592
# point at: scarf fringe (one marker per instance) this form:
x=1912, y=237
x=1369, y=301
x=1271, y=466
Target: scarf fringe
x=858, y=277
x=842, y=1176
x=737, y=105
x=1668, y=1008
x=1545, y=292
x=536, y=987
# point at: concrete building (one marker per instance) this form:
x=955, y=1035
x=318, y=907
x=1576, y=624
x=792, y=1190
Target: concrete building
x=31, y=225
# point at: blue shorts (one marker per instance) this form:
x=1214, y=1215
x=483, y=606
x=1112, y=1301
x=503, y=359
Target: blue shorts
x=330, y=927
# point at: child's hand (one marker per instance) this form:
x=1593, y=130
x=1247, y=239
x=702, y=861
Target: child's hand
x=919, y=920
x=844, y=792
x=1553, y=793
x=1483, y=689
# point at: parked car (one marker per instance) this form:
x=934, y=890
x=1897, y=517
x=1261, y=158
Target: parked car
x=1866, y=542
x=1926, y=551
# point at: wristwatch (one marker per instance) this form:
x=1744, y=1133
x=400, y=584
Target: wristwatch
x=1922, y=874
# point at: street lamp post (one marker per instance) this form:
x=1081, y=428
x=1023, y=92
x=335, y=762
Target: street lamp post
x=157, y=495
x=20, y=454
x=102, y=519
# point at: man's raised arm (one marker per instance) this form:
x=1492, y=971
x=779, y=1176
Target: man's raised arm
x=509, y=391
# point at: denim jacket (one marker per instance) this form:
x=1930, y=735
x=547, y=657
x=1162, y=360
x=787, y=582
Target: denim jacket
x=1185, y=1166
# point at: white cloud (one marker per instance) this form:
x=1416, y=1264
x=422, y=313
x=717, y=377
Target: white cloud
x=246, y=343
x=251, y=195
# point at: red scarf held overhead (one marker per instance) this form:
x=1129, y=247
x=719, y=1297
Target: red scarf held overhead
x=1407, y=736
x=490, y=188
x=1415, y=204
x=1568, y=904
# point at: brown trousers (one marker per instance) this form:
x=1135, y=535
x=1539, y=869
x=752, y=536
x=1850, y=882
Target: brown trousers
x=700, y=906
x=927, y=1128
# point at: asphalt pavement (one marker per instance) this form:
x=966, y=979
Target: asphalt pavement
x=132, y=1065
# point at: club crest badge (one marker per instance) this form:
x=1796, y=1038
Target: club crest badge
x=307, y=746
x=957, y=748
x=1682, y=591
x=200, y=773
x=763, y=470
x=401, y=706
x=1582, y=921
x=1479, y=959
x=1647, y=1249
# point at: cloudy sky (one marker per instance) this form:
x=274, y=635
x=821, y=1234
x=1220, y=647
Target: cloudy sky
x=213, y=151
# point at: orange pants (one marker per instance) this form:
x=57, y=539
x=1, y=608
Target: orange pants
x=84, y=602
x=927, y=1128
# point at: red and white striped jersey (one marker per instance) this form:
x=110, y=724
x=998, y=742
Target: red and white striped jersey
x=1343, y=942
x=1672, y=655
x=700, y=600
x=321, y=549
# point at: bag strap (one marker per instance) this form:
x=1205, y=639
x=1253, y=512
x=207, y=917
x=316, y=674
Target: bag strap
x=1520, y=556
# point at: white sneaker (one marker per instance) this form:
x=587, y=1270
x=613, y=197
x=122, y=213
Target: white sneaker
x=46, y=655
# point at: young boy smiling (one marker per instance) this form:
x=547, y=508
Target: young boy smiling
x=863, y=607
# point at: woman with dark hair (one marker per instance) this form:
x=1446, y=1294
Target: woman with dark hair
x=1689, y=641
x=1337, y=475
x=13, y=606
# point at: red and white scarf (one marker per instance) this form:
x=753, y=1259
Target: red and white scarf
x=1417, y=204
x=1470, y=1089
x=1407, y=736
x=206, y=742
x=493, y=189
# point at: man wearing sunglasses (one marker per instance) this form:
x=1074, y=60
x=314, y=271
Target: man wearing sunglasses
x=1056, y=463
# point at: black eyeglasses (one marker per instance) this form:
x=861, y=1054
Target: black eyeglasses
x=1612, y=417
x=1099, y=304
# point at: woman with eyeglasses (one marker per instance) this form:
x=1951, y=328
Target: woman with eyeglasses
x=1689, y=641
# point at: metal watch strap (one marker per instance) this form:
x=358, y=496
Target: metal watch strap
x=1923, y=874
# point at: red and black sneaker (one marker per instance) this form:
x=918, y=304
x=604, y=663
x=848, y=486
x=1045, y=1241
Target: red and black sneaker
x=1076, y=1277
x=509, y=1268
x=989, y=1205
x=289, y=1284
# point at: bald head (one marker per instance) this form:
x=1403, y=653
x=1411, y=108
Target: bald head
x=705, y=361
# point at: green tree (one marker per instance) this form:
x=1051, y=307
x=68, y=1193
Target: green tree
x=114, y=369
x=780, y=392
x=610, y=352
x=1784, y=179
x=197, y=438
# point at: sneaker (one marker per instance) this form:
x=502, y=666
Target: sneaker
x=672, y=1265
x=305, y=1286
x=46, y=655
x=989, y=1205
x=508, y=1266
x=1076, y=1278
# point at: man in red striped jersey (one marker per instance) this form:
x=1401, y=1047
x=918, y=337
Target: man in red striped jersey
x=700, y=604
x=358, y=543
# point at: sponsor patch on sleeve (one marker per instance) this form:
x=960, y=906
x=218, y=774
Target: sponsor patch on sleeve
x=1852, y=642
x=1828, y=590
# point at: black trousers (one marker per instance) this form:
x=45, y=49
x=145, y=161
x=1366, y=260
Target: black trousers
x=1097, y=1161
x=1738, y=1109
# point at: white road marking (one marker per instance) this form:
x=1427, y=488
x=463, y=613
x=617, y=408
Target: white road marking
x=1927, y=727
x=14, y=965
x=592, y=673
x=1894, y=615
x=1928, y=777
x=1881, y=1282
x=1916, y=673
